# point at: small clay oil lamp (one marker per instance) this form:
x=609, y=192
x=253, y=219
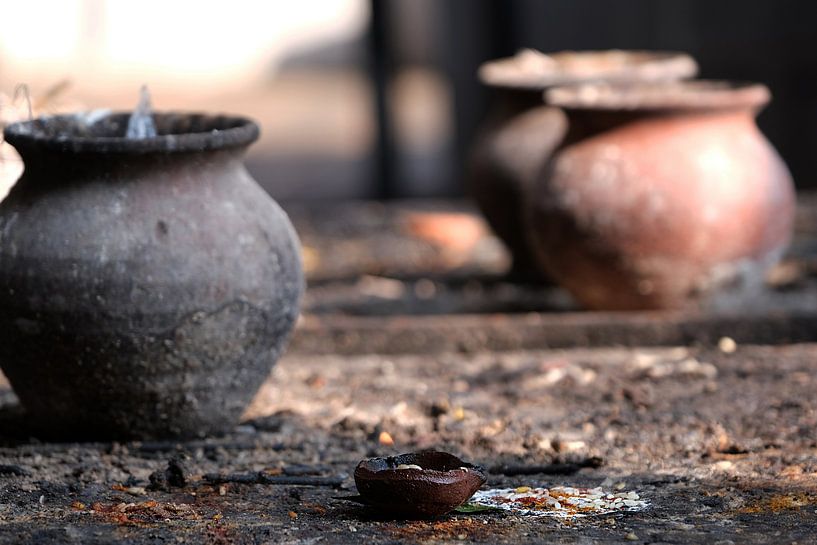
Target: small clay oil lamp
x=417, y=485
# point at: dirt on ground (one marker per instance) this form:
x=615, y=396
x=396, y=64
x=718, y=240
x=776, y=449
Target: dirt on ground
x=721, y=444
x=413, y=340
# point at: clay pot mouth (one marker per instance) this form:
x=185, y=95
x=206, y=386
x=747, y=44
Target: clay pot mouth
x=395, y=483
x=104, y=132
x=665, y=96
x=532, y=70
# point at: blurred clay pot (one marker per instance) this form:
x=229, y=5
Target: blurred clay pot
x=148, y=286
x=662, y=196
x=521, y=131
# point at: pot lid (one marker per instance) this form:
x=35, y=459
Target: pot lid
x=532, y=69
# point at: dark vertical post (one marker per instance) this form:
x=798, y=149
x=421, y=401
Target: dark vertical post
x=380, y=70
x=479, y=30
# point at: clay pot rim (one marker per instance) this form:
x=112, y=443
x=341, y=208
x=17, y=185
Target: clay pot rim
x=572, y=67
x=103, y=132
x=665, y=96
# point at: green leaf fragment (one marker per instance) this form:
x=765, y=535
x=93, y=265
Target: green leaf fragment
x=474, y=508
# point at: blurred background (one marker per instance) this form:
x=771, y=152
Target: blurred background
x=379, y=98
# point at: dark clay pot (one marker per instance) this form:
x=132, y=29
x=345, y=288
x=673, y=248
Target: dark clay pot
x=662, y=196
x=444, y=483
x=521, y=131
x=146, y=286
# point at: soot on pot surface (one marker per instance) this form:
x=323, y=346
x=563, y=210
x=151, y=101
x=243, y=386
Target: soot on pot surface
x=417, y=485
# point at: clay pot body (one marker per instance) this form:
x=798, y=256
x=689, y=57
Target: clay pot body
x=677, y=201
x=148, y=286
x=519, y=134
x=520, y=131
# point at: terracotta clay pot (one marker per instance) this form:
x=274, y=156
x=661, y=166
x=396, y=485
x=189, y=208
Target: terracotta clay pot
x=521, y=131
x=148, y=286
x=419, y=484
x=662, y=196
